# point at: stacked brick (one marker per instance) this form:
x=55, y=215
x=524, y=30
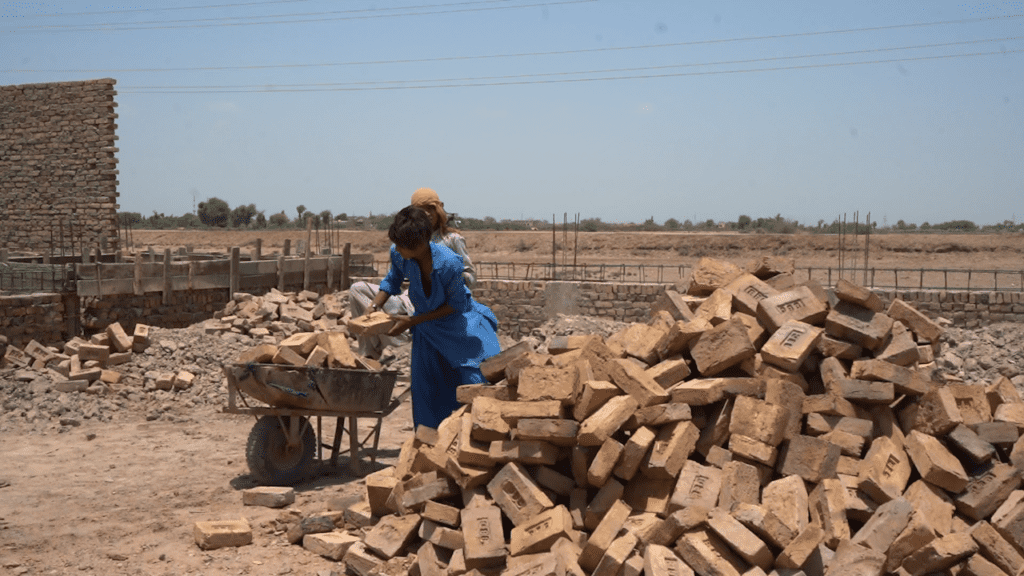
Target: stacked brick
x=90, y=365
x=751, y=426
x=33, y=317
x=57, y=163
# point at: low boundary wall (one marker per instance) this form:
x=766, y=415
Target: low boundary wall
x=521, y=306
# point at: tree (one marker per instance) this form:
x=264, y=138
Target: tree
x=672, y=224
x=301, y=208
x=325, y=217
x=128, y=219
x=261, y=220
x=280, y=219
x=743, y=222
x=214, y=212
x=242, y=215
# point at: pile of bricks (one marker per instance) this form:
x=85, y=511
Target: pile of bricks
x=751, y=426
x=90, y=365
x=278, y=313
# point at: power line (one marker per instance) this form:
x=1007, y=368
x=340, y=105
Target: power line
x=117, y=26
x=575, y=80
x=601, y=71
x=526, y=54
x=162, y=9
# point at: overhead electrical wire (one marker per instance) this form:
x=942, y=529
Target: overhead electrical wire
x=161, y=9
x=523, y=54
x=217, y=22
x=600, y=71
x=576, y=80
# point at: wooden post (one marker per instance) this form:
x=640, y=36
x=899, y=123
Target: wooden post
x=191, y=273
x=137, y=285
x=3, y=254
x=867, y=248
x=99, y=274
x=346, y=255
x=280, y=273
x=305, y=263
x=152, y=254
x=167, y=277
x=259, y=250
x=287, y=246
x=119, y=256
x=234, y=270
x=330, y=273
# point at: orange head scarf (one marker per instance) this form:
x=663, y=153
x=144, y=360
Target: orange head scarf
x=427, y=197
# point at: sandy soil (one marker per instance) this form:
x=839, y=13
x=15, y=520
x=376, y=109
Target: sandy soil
x=125, y=501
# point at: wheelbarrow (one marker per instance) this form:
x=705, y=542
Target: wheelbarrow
x=282, y=447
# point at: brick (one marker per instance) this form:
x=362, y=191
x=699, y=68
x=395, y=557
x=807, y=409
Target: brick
x=859, y=295
x=987, y=490
x=830, y=404
x=888, y=521
x=919, y=323
x=853, y=560
x=661, y=561
x=427, y=561
x=604, y=462
x=339, y=352
x=810, y=458
x=900, y=348
x=798, y=303
x=534, y=565
x=645, y=346
x=487, y=422
x=827, y=506
x=1010, y=525
x=560, y=432
x=634, y=452
x=999, y=434
x=222, y=534
x=715, y=431
x=993, y=546
x=669, y=372
x=758, y=420
x=704, y=391
x=905, y=380
x=790, y=397
x=636, y=383
x=568, y=553
x=302, y=343
x=859, y=325
x=710, y=274
x=680, y=336
x=378, y=322
x=916, y=535
x=716, y=308
x=288, y=357
x=378, y=487
x=485, y=541
x=414, y=498
x=940, y=554
x=511, y=412
x=548, y=383
x=790, y=346
x=554, y=481
x=801, y=548
x=933, y=504
x=518, y=496
x=262, y=354
x=1002, y=391
x=866, y=391
x=602, y=536
x=755, y=332
x=746, y=447
x=697, y=486
x=885, y=470
x=93, y=352
x=331, y=545
x=389, y=536
x=441, y=536
x=603, y=501
x=972, y=402
x=935, y=463
x=440, y=513
x=541, y=532
x=764, y=524
x=672, y=302
x=659, y=415
x=977, y=565
x=647, y=495
x=841, y=349
x=722, y=347
x=787, y=499
x=672, y=445
x=615, y=556
x=748, y=291
x=595, y=393
x=361, y=561
x=1013, y=413
x=600, y=425
x=268, y=496
x=707, y=554
x=935, y=413
x=667, y=530
x=739, y=538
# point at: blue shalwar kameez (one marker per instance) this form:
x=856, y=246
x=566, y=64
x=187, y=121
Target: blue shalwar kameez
x=446, y=351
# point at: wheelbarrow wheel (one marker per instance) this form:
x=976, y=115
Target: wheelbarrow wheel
x=271, y=460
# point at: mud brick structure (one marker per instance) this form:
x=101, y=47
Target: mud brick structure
x=57, y=164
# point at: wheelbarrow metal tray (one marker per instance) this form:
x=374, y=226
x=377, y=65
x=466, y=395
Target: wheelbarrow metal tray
x=312, y=388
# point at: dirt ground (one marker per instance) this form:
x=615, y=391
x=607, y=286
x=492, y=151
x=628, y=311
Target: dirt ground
x=122, y=497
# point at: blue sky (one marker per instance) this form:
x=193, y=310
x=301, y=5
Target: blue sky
x=714, y=109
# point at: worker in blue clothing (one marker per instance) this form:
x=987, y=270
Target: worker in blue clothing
x=451, y=332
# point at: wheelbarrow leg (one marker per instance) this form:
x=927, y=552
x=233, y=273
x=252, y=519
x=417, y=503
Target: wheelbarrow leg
x=353, y=443
x=339, y=429
x=376, y=440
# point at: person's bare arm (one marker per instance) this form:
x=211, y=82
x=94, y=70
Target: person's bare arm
x=403, y=323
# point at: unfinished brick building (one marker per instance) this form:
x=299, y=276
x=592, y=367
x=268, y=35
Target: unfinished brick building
x=57, y=165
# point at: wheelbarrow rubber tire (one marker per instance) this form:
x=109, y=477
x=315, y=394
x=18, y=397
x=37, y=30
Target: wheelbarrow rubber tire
x=271, y=461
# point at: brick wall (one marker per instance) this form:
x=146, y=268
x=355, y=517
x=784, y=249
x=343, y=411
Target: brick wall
x=57, y=164
x=40, y=317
